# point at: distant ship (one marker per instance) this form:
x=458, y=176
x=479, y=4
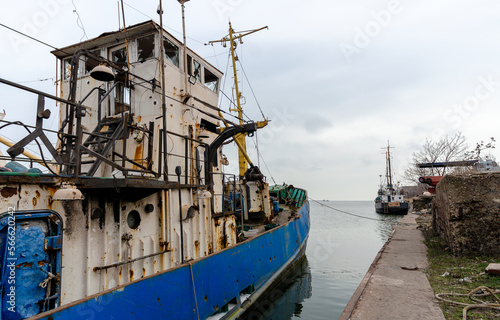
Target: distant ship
x=390, y=199
x=137, y=218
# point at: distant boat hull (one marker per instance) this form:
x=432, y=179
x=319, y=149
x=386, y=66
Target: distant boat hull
x=399, y=208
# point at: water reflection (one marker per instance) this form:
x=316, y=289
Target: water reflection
x=387, y=224
x=340, y=249
x=285, y=300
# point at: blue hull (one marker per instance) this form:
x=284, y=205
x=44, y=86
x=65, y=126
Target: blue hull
x=198, y=289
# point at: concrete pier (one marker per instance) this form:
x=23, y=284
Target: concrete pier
x=395, y=286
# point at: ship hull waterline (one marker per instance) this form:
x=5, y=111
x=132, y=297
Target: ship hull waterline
x=385, y=208
x=197, y=289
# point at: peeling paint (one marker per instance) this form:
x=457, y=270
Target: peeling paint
x=8, y=192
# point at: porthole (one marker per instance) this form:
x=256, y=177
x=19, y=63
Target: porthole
x=133, y=219
x=149, y=208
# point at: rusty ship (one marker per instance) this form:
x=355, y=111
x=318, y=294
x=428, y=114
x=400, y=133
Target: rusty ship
x=130, y=213
x=390, y=197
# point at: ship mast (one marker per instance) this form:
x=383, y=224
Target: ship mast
x=239, y=139
x=388, y=171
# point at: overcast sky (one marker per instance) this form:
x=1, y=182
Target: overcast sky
x=337, y=78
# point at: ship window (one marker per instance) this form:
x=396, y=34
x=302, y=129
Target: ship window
x=194, y=69
x=67, y=68
x=119, y=57
x=122, y=98
x=209, y=126
x=91, y=63
x=211, y=80
x=121, y=92
x=171, y=52
x=146, y=48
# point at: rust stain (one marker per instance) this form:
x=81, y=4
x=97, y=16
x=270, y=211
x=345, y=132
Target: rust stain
x=143, y=272
x=42, y=263
x=51, y=193
x=222, y=242
x=131, y=273
x=37, y=194
x=25, y=265
x=34, y=201
x=197, y=248
x=8, y=192
x=138, y=155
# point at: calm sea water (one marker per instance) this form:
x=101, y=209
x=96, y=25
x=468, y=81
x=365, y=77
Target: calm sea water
x=339, y=252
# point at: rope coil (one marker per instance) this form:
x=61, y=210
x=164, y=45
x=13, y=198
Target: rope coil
x=477, y=292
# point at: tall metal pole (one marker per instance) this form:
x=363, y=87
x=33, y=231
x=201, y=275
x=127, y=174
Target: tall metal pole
x=389, y=164
x=186, y=75
x=388, y=173
x=163, y=103
x=243, y=163
x=240, y=138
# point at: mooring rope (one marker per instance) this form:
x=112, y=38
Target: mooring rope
x=345, y=212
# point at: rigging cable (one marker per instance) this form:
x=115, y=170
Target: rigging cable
x=39, y=80
x=215, y=56
x=231, y=100
x=257, y=147
x=152, y=19
x=79, y=22
x=224, y=82
x=24, y=34
x=345, y=212
x=251, y=89
x=264, y=162
x=55, y=48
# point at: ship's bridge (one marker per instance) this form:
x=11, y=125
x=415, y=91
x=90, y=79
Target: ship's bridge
x=191, y=87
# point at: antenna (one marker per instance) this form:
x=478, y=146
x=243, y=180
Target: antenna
x=119, y=21
x=186, y=94
x=388, y=172
x=232, y=39
x=163, y=102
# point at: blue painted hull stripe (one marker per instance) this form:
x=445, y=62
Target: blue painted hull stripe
x=234, y=314
x=218, y=279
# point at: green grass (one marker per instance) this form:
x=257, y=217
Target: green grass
x=446, y=274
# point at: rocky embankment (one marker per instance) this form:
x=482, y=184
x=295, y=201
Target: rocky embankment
x=466, y=213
